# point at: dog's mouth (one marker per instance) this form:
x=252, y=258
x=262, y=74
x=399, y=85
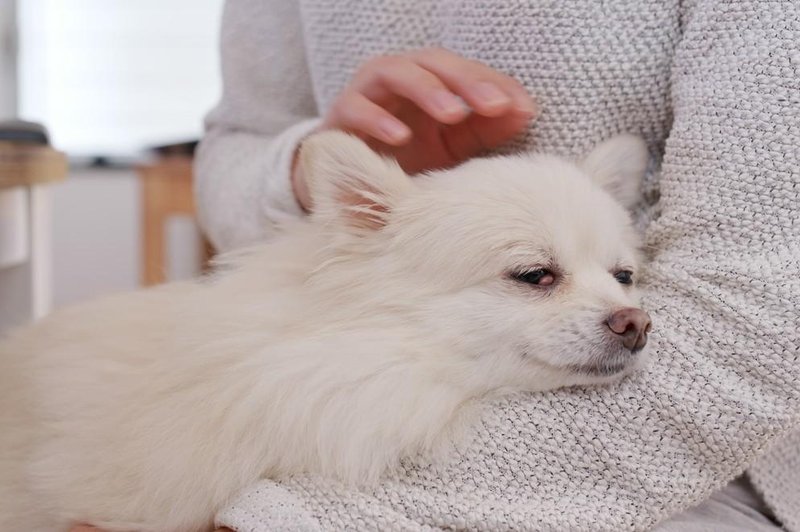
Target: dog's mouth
x=599, y=370
x=599, y=362
x=611, y=360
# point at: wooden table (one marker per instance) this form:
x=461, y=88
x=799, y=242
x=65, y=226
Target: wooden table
x=26, y=260
x=24, y=165
x=166, y=186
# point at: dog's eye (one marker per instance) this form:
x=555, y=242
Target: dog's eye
x=624, y=276
x=539, y=277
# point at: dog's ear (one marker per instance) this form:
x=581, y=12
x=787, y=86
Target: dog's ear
x=618, y=165
x=349, y=182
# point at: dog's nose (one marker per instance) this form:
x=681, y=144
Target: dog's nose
x=631, y=325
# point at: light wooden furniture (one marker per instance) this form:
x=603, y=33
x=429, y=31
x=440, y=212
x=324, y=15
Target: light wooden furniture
x=26, y=261
x=24, y=165
x=166, y=188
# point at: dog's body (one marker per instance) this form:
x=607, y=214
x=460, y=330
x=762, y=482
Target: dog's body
x=355, y=340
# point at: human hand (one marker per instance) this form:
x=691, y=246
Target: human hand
x=428, y=109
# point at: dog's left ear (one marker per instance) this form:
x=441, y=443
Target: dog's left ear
x=349, y=182
x=618, y=165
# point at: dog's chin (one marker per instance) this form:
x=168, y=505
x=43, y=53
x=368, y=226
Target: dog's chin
x=607, y=368
x=612, y=366
x=600, y=370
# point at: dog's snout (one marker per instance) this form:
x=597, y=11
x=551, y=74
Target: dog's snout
x=631, y=325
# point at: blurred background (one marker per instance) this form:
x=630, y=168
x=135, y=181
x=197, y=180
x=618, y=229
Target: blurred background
x=121, y=88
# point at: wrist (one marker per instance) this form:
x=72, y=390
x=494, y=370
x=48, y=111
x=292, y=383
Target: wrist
x=298, y=183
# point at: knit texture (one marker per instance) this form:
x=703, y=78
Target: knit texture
x=777, y=475
x=713, y=87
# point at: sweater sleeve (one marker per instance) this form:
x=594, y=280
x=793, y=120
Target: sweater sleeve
x=243, y=162
x=724, y=292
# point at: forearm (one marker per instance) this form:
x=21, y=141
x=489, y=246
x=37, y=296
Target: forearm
x=243, y=184
x=243, y=163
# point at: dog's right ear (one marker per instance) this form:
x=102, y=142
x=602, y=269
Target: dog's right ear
x=349, y=182
x=618, y=165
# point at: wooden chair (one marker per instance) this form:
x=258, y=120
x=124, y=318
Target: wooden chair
x=166, y=188
x=27, y=165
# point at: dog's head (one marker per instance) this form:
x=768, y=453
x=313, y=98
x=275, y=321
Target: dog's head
x=525, y=265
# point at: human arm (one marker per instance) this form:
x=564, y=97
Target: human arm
x=267, y=107
x=407, y=105
x=723, y=291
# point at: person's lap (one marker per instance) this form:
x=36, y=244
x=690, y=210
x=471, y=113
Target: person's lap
x=736, y=508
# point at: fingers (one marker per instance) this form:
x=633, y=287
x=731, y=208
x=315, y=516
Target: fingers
x=388, y=77
x=448, y=88
x=488, y=91
x=354, y=112
x=480, y=133
x=437, y=80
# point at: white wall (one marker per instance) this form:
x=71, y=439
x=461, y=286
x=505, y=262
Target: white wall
x=16, y=269
x=96, y=236
x=110, y=77
x=16, y=298
x=8, y=60
x=107, y=78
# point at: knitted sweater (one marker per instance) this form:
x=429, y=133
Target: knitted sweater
x=713, y=86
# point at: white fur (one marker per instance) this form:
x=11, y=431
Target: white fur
x=360, y=337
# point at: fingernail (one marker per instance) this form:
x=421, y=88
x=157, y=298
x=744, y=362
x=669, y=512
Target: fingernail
x=393, y=129
x=490, y=95
x=447, y=103
x=527, y=107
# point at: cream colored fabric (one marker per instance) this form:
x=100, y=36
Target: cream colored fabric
x=736, y=508
x=713, y=87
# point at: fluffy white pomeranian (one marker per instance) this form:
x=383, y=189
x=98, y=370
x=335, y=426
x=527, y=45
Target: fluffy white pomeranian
x=365, y=334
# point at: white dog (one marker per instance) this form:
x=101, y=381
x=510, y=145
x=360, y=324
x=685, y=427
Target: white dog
x=359, y=338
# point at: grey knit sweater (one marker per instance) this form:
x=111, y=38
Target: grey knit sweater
x=714, y=88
